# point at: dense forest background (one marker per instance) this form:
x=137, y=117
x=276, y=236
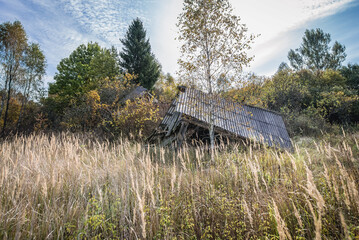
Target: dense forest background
x=314, y=92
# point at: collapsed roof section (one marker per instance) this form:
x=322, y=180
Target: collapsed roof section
x=193, y=107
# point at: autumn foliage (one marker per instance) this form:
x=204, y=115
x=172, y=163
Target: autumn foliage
x=105, y=111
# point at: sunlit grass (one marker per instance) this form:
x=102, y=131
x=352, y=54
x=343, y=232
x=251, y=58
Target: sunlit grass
x=65, y=186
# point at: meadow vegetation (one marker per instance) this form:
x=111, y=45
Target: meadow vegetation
x=67, y=186
x=74, y=163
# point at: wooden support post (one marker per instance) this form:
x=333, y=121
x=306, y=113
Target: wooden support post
x=181, y=135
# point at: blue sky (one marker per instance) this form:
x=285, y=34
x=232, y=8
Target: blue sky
x=59, y=26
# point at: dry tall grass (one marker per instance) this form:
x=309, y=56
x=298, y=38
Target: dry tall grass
x=68, y=187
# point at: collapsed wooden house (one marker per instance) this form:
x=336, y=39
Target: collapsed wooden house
x=188, y=119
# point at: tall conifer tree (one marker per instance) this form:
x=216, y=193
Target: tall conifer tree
x=136, y=56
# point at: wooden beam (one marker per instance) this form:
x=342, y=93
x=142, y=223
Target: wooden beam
x=172, y=125
x=168, y=140
x=181, y=135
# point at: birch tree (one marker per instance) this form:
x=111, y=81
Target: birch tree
x=33, y=72
x=214, y=47
x=13, y=43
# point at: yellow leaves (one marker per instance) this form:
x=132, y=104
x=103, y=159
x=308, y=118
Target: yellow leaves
x=331, y=78
x=250, y=93
x=120, y=83
x=93, y=101
x=93, y=97
x=135, y=114
x=13, y=114
x=129, y=77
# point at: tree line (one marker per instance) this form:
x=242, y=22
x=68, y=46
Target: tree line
x=313, y=92
x=22, y=69
x=88, y=87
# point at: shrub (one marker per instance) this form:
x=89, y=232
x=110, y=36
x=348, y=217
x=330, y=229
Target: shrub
x=136, y=116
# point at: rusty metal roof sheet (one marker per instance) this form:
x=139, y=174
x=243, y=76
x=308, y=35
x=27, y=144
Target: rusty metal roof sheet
x=245, y=121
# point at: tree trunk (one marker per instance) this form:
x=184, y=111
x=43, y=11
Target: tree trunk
x=211, y=137
x=19, y=120
x=7, y=107
x=23, y=104
x=3, y=100
x=3, y=96
x=211, y=125
x=211, y=99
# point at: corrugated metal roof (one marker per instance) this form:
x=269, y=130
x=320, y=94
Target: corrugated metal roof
x=245, y=121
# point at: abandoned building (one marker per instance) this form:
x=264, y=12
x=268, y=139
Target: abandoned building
x=188, y=119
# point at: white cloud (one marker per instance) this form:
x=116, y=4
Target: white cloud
x=164, y=32
x=57, y=33
x=105, y=19
x=62, y=25
x=269, y=18
x=274, y=20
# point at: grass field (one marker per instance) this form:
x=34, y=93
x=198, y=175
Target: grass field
x=67, y=187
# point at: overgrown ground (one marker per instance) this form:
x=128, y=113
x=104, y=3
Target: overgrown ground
x=70, y=188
